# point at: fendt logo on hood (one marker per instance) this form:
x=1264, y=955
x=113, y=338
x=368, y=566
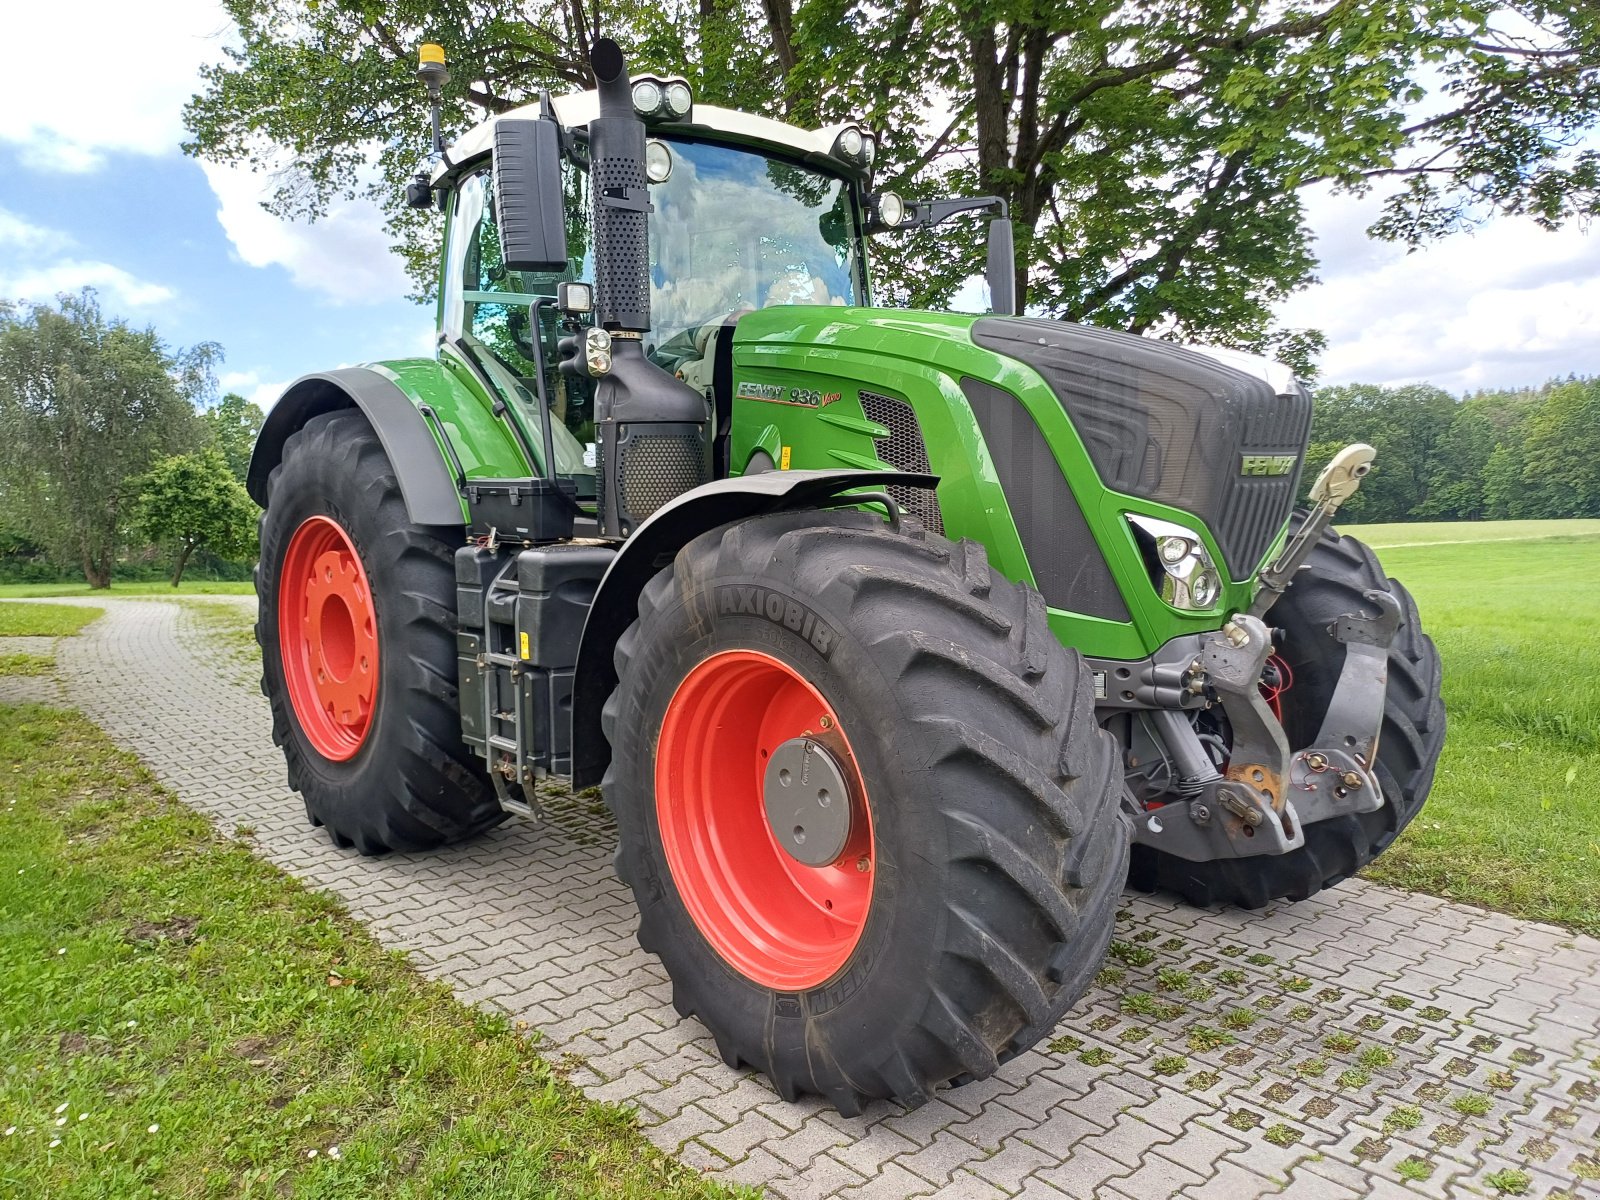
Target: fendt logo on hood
x=1266, y=464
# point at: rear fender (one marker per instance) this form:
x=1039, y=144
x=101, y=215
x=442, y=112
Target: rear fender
x=429, y=483
x=654, y=545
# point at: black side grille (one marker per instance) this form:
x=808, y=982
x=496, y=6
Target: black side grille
x=655, y=469
x=1169, y=424
x=1068, y=567
x=904, y=450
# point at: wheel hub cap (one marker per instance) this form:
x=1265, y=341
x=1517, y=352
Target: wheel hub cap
x=807, y=802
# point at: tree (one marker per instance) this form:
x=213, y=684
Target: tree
x=1152, y=154
x=86, y=405
x=1561, y=452
x=194, y=500
x=233, y=423
x=1406, y=425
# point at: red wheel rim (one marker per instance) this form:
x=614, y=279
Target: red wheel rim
x=328, y=637
x=779, y=922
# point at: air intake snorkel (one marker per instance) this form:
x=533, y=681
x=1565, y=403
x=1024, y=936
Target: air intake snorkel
x=650, y=426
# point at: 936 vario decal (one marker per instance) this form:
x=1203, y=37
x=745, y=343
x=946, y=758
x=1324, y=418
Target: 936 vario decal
x=774, y=394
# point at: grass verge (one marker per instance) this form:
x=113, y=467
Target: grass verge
x=45, y=620
x=26, y=664
x=146, y=587
x=1512, y=823
x=179, y=1018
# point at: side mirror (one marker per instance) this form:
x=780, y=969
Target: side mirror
x=1002, y=268
x=528, y=196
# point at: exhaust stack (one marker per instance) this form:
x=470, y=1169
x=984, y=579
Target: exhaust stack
x=651, y=428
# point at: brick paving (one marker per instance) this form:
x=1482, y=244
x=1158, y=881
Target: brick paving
x=1367, y=1042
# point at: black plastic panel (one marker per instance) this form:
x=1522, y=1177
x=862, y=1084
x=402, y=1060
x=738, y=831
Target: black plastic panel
x=1169, y=424
x=1068, y=567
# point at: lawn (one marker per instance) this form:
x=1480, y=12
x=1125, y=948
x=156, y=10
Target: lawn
x=178, y=1018
x=1514, y=820
x=1427, y=533
x=45, y=620
x=147, y=587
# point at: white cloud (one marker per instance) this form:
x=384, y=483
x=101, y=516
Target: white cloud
x=344, y=255
x=250, y=385
x=123, y=290
x=21, y=236
x=115, y=80
x=1506, y=305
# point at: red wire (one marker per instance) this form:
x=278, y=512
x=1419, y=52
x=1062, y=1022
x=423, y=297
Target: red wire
x=1285, y=682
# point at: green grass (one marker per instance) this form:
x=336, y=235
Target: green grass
x=1514, y=819
x=146, y=587
x=1424, y=533
x=232, y=629
x=178, y=1018
x=26, y=664
x=45, y=620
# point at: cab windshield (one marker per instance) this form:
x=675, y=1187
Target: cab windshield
x=731, y=230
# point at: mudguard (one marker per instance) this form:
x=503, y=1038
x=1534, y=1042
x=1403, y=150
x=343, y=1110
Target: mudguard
x=430, y=488
x=653, y=546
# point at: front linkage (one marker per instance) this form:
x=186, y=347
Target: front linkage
x=1258, y=799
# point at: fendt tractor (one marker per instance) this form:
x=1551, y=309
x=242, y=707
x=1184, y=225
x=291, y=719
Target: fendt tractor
x=897, y=642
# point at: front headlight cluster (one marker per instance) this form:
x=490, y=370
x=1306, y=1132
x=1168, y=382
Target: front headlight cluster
x=1182, y=568
x=661, y=99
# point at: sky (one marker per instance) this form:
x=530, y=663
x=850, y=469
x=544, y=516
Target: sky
x=94, y=191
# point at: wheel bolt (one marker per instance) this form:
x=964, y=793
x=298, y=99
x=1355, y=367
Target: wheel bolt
x=826, y=722
x=862, y=864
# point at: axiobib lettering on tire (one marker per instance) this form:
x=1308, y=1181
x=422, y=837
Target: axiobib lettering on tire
x=743, y=600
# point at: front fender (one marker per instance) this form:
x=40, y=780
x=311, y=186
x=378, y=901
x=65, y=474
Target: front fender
x=653, y=546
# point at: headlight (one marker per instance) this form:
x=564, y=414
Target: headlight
x=889, y=209
x=678, y=99
x=647, y=97
x=1180, y=565
x=869, y=149
x=657, y=161
x=851, y=145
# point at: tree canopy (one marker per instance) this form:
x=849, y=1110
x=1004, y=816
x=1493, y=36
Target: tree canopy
x=192, y=500
x=87, y=404
x=1153, y=154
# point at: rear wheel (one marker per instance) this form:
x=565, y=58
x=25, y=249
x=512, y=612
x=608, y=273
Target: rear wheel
x=871, y=825
x=358, y=648
x=1337, y=573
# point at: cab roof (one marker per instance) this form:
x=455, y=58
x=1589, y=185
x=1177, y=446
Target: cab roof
x=724, y=124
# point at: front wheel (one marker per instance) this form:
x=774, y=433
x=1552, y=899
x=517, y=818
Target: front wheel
x=871, y=825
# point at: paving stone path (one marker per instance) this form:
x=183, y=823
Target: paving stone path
x=1365, y=1043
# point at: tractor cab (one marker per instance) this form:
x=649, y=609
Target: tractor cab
x=744, y=214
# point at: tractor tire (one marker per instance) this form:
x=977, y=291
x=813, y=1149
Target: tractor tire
x=1331, y=584
x=977, y=873
x=357, y=635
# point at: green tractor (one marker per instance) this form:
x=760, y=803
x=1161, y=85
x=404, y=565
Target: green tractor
x=898, y=642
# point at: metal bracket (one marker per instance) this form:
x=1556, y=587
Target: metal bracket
x=1332, y=783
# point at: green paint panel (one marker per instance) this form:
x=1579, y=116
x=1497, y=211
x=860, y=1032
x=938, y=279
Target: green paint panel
x=921, y=357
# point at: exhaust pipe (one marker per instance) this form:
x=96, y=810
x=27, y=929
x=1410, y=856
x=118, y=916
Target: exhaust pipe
x=650, y=427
